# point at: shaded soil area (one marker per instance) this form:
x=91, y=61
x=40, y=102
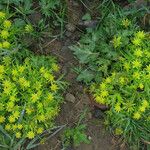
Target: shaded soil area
x=76, y=101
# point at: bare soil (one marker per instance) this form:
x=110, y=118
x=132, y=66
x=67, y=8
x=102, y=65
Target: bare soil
x=71, y=111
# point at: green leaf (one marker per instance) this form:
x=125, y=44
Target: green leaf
x=87, y=17
x=85, y=76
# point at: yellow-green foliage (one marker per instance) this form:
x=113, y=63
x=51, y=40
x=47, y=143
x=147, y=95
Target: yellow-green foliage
x=12, y=32
x=29, y=95
x=127, y=90
x=5, y=27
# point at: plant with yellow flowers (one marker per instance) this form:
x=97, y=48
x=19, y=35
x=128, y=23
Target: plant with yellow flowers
x=11, y=33
x=127, y=89
x=29, y=97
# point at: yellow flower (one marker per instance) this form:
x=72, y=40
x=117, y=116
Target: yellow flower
x=40, y=130
x=2, y=70
x=21, y=69
x=15, y=72
x=11, y=119
x=10, y=106
x=147, y=53
x=126, y=66
x=136, y=115
x=103, y=86
x=7, y=60
x=126, y=23
x=141, y=86
x=6, y=44
x=138, y=53
x=136, y=64
x=55, y=67
x=114, y=74
x=38, y=85
x=27, y=84
x=108, y=80
x=41, y=118
x=122, y=80
x=4, y=34
x=7, y=24
x=24, y=83
x=1, y=77
x=100, y=100
x=117, y=41
x=51, y=77
x=118, y=131
x=40, y=106
x=50, y=96
x=1, y=45
x=16, y=114
x=42, y=70
x=12, y=98
x=20, y=126
x=14, y=127
x=7, y=91
x=2, y=119
x=29, y=111
x=18, y=135
x=34, y=97
x=148, y=68
x=6, y=83
x=54, y=87
x=117, y=107
x=46, y=75
x=7, y=127
x=145, y=103
x=136, y=75
x=29, y=28
x=136, y=41
x=30, y=135
x=104, y=93
x=142, y=109
x=140, y=34
x=2, y=15
x=1, y=107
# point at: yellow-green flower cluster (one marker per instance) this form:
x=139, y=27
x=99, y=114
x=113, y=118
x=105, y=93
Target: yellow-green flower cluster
x=5, y=31
x=10, y=32
x=30, y=96
x=127, y=90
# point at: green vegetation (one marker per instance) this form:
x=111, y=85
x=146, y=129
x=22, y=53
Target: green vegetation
x=30, y=92
x=126, y=90
x=115, y=65
x=74, y=136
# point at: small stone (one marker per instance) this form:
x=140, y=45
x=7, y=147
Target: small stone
x=98, y=114
x=70, y=98
x=89, y=115
x=68, y=34
x=70, y=27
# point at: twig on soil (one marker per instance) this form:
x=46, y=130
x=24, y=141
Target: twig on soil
x=85, y=6
x=49, y=42
x=146, y=142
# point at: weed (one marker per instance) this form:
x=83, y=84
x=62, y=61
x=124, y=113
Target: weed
x=76, y=135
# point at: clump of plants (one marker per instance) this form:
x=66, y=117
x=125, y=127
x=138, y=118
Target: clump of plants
x=11, y=33
x=7, y=34
x=115, y=65
x=30, y=96
x=95, y=50
x=126, y=89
